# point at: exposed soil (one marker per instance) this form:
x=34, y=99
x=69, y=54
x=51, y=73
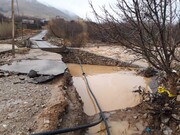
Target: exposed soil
x=117, y=53
x=30, y=108
x=71, y=55
x=74, y=115
x=64, y=109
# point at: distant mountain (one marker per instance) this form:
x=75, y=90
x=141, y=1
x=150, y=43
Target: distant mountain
x=34, y=8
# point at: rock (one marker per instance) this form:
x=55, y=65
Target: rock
x=135, y=117
x=46, y=121
x=178, y=128
x=60, y=120
x=147, y=99
x=165, y=119
x=43, y=106
x=107, y=115
x=4, y=125
x=65, y=87
x=2, y=129
x=25, y=102
x=18, y=82
x=167, y=130
x=149, y=72
x=2, y=74
x=17, y=111
x=6, y=74
x=21, y=78
x=29, y=129
x=43, y=79
x=145, y=115
x=175, y=116
x=32, y=74
x=178, y=98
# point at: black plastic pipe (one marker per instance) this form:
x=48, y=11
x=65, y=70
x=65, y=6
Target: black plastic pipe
x=89, y=88
x=65, y=130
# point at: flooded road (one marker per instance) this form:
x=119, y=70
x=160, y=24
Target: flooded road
x=112, y=87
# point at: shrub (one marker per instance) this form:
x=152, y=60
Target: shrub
x=71, y=31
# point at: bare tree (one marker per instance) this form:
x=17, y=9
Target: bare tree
x=147, y=27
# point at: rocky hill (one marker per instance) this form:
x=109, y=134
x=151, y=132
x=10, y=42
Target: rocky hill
x=33, y=8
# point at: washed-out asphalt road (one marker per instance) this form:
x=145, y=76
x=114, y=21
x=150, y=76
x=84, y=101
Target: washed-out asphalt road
x=38, y=41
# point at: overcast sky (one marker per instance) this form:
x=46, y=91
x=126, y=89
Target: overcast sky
x=79, y=7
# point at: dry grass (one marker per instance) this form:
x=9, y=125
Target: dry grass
x=5, y=30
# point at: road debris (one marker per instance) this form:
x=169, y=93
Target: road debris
x=42, y=67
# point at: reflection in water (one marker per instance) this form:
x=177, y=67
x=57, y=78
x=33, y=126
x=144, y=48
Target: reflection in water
x=112, y=87
x=92, y=100
x=112, y=90
x=75, y=69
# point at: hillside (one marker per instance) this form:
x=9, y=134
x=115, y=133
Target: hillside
x=33, y=8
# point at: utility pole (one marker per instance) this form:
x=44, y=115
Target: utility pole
x=2, y=20
x=22, y=28
x=13, y=47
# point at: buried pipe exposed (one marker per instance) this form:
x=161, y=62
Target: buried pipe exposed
x=100, y=110
x=102, y=116
x=65, y=130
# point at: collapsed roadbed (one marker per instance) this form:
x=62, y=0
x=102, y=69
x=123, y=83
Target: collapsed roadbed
x=28, y=108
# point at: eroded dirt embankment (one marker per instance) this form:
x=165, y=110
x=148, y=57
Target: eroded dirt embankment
x=64, y=109
x=70, y=55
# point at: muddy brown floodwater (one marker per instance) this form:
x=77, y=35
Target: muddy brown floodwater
x=113, y=88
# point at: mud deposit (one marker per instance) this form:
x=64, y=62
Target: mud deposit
x=113, y=88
